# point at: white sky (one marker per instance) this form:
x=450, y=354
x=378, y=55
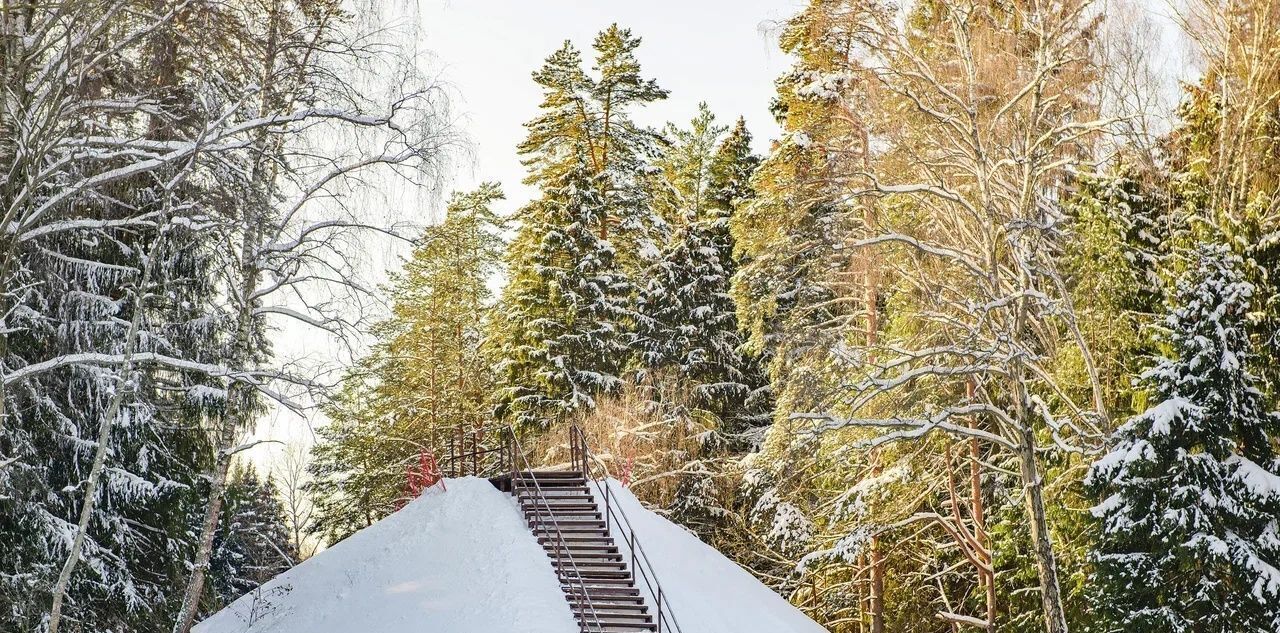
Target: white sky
x=719, y=51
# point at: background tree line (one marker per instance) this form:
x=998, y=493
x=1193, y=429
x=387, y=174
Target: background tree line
x=979, y=344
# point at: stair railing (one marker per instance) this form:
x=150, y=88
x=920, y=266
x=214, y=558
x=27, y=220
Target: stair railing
x=582, y=458
x=517, y=461
x=467, y=455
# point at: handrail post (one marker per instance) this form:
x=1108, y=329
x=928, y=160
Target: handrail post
x=659, y=608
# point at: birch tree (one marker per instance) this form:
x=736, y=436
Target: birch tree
x=981, y=110
x=97, y=250
x=294, y=218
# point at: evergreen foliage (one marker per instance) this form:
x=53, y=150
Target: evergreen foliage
x=687, y=329
x=1191, y=487
x=888, y=367
x=252, y=545
x=569, y=304
x=426, y=378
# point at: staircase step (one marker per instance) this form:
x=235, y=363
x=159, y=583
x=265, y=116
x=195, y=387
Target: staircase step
x=587, y=556
x=609, y=609
x=607, y=602
x=574, y=573
x=577, y=549
x=615, y=626
x=572, y=493
x=580, y=531
x=581, y=554
x=540, y=512
x=577, y=539
x=543, y=508
x=627, y=611
x=559, y=495
x=595, y=564
x=533, y=483
x=564, y=521
x=587, y=614
x=551, y=474
x=593, y=590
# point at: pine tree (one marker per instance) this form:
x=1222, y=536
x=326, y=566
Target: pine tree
x=424, y=380
x=785, y=233
x=1190, y=490
x=567, y=309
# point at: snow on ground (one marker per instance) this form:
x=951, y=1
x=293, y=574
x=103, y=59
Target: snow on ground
x=707, y=592
x=461, y=561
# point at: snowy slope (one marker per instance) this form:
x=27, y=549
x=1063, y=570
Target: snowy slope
x=460, y=561
x=708, y=593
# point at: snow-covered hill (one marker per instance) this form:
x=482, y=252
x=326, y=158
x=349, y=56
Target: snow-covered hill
x=708, y=592
x=460, y=561
x=463, y=561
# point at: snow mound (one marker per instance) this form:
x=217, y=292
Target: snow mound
x=455, y=561
x=707, y=592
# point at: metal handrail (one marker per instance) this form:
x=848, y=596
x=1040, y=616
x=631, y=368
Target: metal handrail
x=581, y=457
x=459, y=458
x=562, y=547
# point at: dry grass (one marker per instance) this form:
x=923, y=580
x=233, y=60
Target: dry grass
x=646, y=436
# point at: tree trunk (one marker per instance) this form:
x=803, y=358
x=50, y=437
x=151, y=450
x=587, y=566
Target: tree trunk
x=872, y=300
x=1055, y=620
x=254, y=216
x=195, y=586
x=978, y=506
x=237, y=417
x=11, y=94
x=877, y=587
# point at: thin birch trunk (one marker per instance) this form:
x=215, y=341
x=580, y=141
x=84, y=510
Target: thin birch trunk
x=237, y=417
x=104, y=437
x=1055, y=619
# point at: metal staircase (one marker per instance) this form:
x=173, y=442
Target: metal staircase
x=593, y=575
x=597, y=576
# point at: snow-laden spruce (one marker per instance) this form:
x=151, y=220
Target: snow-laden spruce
x=1190, y=489
x=561, y=334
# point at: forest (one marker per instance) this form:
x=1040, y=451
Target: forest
x=988, y=339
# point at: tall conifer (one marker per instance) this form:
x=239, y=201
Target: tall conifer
x=688, y=326
x=1191, y=487
x=569, y=304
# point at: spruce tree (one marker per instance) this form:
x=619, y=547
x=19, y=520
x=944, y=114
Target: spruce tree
x=688, y=325
x=730, y=189
x=561, y=339
x=567, y=307
x=252, y=544
x=1190, y=491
